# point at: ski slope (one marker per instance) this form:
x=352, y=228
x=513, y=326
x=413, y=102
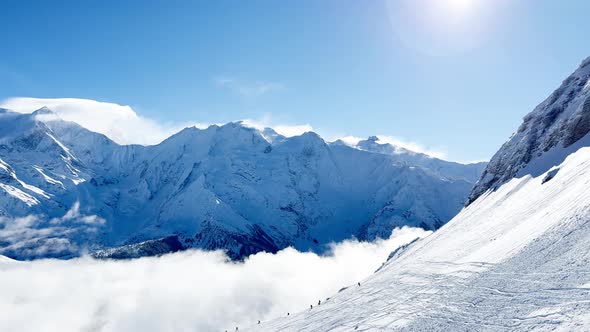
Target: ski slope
x=516, y=259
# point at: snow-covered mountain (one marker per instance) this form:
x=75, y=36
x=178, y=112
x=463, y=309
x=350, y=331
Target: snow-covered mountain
x=65, y=190
x=553, y=130
x=515, y=259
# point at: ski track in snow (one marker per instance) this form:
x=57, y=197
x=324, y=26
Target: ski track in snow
x=515, y=260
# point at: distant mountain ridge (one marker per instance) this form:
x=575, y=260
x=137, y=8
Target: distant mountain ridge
x=66, y=190
x=447, y=169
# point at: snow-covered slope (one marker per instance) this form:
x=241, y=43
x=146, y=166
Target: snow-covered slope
x=553, y=130
x=516, y=259
x=65, y=189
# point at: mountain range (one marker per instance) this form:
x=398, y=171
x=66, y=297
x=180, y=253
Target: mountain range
x=65, y=190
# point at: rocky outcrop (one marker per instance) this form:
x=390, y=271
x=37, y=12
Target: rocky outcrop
x=553, y=130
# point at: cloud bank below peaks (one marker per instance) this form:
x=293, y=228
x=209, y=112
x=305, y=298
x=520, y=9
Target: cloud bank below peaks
x=185, y=291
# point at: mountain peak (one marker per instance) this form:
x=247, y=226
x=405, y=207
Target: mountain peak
x=45, y=114
x=43, y=111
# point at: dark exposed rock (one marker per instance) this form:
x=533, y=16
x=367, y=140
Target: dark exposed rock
x=559, y=122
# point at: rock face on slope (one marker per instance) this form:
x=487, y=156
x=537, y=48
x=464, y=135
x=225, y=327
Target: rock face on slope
x=66, y=190
x=553, y=130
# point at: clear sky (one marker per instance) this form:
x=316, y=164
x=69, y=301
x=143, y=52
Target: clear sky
x=452, y=75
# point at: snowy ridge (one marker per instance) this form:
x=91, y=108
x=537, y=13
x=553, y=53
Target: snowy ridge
x=225, y=187
x=553, y=130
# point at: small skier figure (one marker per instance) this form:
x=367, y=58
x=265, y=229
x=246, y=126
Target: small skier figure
x=288, y=314
x=319, y=302
x=258, y=322
x=310, y=306
x=359, y=284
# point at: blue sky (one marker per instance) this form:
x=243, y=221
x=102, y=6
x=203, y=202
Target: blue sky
x=344, y=67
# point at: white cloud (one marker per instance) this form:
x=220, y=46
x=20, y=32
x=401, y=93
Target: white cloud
x=186, y=291
x=413, y=146
x=37, y=236
x=121, y=124
x=74, y=215
x=350, y=140
x=248, y=89
x=281, y=129
x=408, y=145
x=118, y=122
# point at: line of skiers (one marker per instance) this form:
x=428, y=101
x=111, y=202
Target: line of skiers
x=310, y=307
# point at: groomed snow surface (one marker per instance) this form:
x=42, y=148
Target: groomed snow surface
x=517, y=259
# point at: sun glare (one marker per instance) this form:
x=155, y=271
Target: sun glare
x=442, y=27
x=460, y=6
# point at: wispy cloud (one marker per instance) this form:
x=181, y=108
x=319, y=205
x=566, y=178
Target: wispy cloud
x=186, y=291
x=248, y=89
x=37, y=236
x=287, y=130
x=400, y=143
x=413, y=146
x=123, y=125
x=118, y=122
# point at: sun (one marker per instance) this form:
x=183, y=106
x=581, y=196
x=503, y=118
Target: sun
x=460, y=5
x=442, y=27
x=459, y=8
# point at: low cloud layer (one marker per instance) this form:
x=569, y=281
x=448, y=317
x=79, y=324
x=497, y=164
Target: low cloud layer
x=38, y=236
x=186, y=291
